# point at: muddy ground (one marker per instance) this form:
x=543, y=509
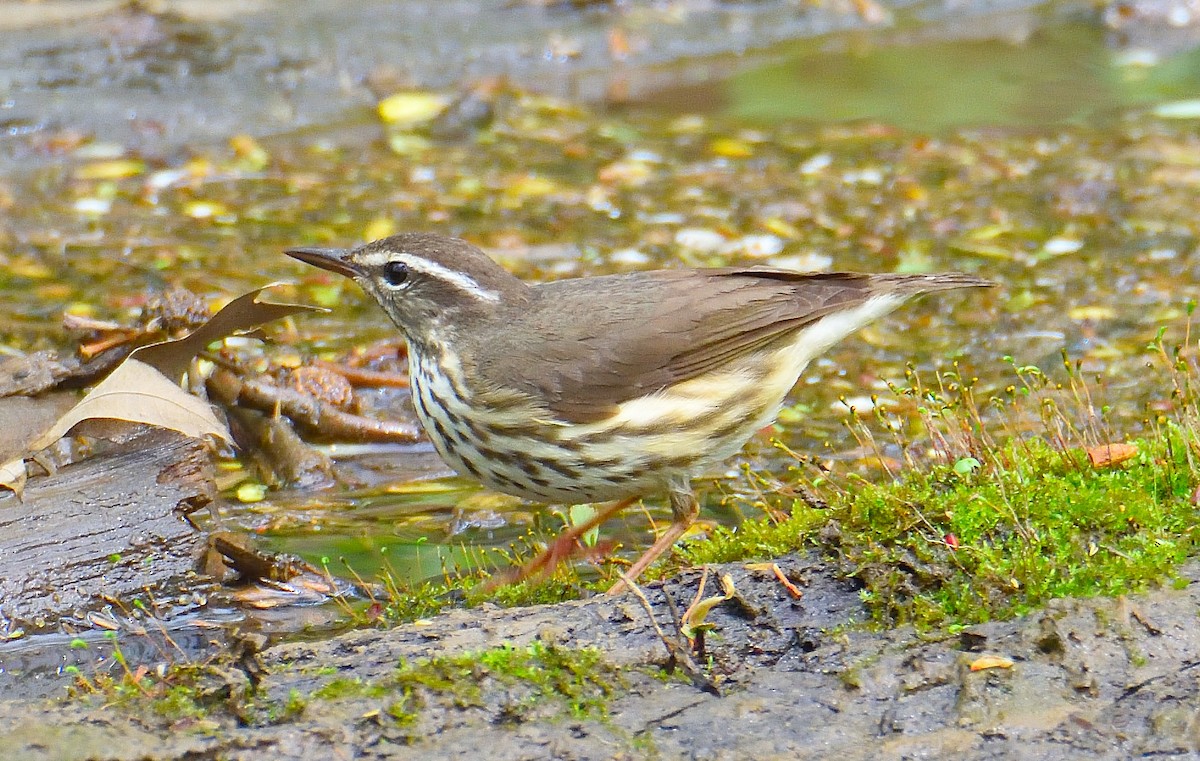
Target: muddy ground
x=1095, y=679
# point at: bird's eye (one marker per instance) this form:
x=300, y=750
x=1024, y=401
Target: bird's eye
x=395, y=273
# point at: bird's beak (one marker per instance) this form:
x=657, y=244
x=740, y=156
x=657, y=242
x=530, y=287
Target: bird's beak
x=332, y=259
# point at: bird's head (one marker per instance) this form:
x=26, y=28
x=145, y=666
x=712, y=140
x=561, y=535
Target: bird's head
x=429, y=285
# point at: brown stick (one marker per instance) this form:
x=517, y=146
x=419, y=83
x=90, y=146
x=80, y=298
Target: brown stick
x=325, y=419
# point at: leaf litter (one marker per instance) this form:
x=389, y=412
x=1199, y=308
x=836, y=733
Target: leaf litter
x=145, y=387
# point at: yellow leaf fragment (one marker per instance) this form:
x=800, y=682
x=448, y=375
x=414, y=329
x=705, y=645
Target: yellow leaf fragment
x=980, y=248
x=727, y=586
x=13, y=475
x=422, y=487
x=991, y=662
x=249, y=493
x=530, y=186
x=251, y=154
x=407, y=109
x=1092, y=313
x=115, y=169
x=30, y=269
x=378, y=228
x=731, y=148
x=408, y=144
x=204, y=209
x=781, y=227
x=693, y=621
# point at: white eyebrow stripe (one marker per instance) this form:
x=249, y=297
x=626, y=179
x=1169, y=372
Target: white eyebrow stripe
x=459, y=280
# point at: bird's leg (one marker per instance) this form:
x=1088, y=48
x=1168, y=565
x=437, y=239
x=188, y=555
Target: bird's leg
x=684, y=509
x=563, y=545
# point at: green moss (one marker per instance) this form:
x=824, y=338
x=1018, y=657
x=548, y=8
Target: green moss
x=294, y=707
x=953, y=545
x=758, y=539
x=178, y=702
x=576, y=680
x=578, y=677
x=413, y=602
x=567, y=682
x=340, y=689
x=404, y=711
x=557, y=588
x=945, y=547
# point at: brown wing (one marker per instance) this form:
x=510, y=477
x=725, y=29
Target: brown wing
x=670, y=325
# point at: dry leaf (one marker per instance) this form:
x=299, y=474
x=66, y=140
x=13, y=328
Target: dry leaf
x=991, y=662
x=1107, y=455
x=138, y=393
x=408, y=109
x=13, y=475
x=244, y=313
x=144, y=388
x=693, y=621
x=24, y=418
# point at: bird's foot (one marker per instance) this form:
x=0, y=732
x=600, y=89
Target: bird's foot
x=565, y=546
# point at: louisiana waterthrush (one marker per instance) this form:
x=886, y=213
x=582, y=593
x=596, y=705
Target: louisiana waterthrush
x=605, y=388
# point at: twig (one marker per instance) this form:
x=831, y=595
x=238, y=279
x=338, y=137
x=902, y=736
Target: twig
x=305, y=410
x=679, y=655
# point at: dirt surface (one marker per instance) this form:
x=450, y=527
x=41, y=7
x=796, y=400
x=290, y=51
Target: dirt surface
x=1094, y=679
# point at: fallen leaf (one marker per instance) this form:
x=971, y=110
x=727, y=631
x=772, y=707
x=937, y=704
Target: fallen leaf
x=731, y=148
x=245, y=313
x=577, y=515
x=693, y=620
x=24, y=418
x=112, y=169
x=727, y=586
x=100, y=621
x=1107, y=455
x=872, y=12
x=13, y=475
x=145, y=387
x=138, y=393
x=1092, y=313
x=991, y=662
x=408, y=109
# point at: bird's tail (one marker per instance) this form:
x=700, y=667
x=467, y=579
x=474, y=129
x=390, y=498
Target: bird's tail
x=937, y=281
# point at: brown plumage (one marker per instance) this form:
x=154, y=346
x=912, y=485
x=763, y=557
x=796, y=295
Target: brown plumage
x=606, y=387
x=606, y=340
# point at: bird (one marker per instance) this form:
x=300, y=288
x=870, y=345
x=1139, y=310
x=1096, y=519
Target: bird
x=609, y=388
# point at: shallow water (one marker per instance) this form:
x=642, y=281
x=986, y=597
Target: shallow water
x=1040, y=164
x=1073, y=73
